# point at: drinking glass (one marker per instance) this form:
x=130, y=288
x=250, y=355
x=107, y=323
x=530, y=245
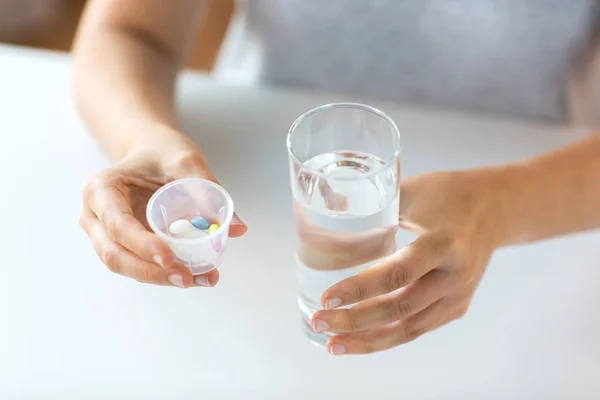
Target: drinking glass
x=344, y=163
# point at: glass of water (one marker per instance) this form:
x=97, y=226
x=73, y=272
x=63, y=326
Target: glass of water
x=345, y=179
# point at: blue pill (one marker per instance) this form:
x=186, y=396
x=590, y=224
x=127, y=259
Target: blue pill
x=200, y=223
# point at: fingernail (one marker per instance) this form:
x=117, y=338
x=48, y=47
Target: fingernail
x=337, y=349
x=158, y=259
x=319, y=325
x=176, y=280
x=332, y=302
x=202, y=280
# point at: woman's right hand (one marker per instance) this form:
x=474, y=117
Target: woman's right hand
x=114, y=215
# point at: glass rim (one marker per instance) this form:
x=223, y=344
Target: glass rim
x=173, y=239
x=358, y=106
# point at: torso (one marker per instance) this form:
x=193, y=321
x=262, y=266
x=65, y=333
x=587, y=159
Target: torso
x=501, y=56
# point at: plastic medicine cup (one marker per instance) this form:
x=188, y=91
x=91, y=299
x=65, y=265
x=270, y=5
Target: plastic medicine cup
x=186, y=199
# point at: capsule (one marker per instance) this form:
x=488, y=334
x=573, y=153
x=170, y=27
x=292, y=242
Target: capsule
x=200, y=223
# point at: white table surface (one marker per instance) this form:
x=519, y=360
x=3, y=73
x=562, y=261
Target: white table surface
x=71, y=329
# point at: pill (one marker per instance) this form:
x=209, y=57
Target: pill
x=213, y=228
x=181, y=227
x=200, y=223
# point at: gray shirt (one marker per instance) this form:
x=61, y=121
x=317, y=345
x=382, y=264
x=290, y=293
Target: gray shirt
x=502, y=56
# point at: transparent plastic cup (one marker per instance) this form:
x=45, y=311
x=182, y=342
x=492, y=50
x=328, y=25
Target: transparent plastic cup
x=186, y=199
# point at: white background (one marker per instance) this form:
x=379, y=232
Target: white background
x=71, y=329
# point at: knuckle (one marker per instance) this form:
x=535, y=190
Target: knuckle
x=114, y=179
x=111, y=224
x=355, y=287
x=396, y=278
x=352, y=322
x=92, y=184
x=401, y=310
x=360, y=292
x=144, y=275
x=411, y=332
x=88, y=189
x=110, y=256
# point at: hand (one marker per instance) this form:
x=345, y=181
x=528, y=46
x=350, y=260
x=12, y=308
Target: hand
x=429, y=282
x=114, y=216
x=323, y=249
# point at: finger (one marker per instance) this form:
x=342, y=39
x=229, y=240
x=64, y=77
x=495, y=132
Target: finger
x=333, y=200
x=237, y=228
x=396, y=333
x=209, y=279
x=384, y=309
x=398, y=270
x=322, y=249
x=121, y=261
x=88, y=221
x=197, y=169
x=113, y=211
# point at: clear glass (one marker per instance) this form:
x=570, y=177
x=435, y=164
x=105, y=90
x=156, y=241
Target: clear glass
x=187, y=199
x=345, y=178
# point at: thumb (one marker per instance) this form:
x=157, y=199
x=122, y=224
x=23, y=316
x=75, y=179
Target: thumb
x=200, y=169
x=237, y=227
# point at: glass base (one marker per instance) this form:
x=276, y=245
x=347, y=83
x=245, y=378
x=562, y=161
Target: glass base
x=316, y=338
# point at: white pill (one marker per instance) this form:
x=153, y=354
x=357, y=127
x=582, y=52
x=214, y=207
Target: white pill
x=181, y=227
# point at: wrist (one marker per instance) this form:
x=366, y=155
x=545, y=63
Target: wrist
x=503, y=198
x=156, y=138
x=176, y=153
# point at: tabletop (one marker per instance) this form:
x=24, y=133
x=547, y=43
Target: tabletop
x=71, y=329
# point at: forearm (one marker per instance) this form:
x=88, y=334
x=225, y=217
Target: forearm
x=127, y=56
x=550, y=195
x=124, y=89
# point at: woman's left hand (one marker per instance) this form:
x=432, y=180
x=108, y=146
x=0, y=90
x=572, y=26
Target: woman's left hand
x=456, y=217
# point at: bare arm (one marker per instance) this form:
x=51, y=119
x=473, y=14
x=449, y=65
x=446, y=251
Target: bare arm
x=550, y=195
x=462, y=217
x=127, y=55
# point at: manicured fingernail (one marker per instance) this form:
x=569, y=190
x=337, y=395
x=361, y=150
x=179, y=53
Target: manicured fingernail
x=176, y=280
x=337, y=349
x=202, y=280
x=158, y=259
x=332, y=302
x=319, y=325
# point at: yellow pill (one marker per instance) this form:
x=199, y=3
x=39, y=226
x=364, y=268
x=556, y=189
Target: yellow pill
x=212, y=228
